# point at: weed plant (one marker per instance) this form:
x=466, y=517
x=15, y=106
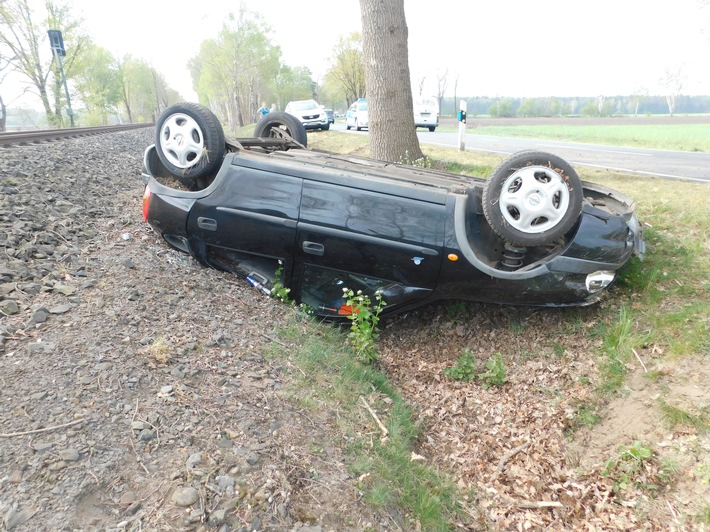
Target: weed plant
x=364, y=317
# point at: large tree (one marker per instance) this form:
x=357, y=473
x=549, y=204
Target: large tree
x=234, y=73
x=347, y=68
x=29, y=50
x=4, y=69
x=98, y=84
x=389, y=92
x=672, y=81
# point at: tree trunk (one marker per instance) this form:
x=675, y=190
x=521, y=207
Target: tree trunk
x=3, y=115
x=393, y=136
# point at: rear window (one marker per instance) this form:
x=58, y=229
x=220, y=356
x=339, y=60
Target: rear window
x=425, y=102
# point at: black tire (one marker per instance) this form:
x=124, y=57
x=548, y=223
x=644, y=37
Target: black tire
x=347, y=126
x=189, y=140
x=277, y=124
x=432, y=128
x=532, y=198
x=357, y=126
x=326, y=127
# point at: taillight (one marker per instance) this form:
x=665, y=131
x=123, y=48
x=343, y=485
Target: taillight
x=146, y=203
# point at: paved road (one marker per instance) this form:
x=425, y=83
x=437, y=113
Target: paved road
x=692, y=166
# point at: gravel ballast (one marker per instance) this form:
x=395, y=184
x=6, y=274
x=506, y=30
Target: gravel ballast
x=134, y=392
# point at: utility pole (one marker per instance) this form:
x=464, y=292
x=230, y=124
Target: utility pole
x=56, y=42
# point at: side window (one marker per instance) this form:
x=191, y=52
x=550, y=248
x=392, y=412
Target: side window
x=322, y=289
x=263, y=273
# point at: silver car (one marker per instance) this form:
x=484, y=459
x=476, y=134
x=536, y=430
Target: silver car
x=310, y=114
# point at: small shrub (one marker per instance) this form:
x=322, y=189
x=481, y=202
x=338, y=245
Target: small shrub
x=495, y=374
x=636, y=466
x=464, y=368
x=455, y=310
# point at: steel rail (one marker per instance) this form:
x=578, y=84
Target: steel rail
x=24, y=138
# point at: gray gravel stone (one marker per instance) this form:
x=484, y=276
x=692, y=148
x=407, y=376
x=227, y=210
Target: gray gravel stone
x=186, y=496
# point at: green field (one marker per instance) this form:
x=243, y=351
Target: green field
x=682, y=137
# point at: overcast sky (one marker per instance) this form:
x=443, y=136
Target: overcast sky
x=494, y=47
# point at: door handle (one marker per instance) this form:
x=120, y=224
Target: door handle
x=313, y=248
x=209, y=224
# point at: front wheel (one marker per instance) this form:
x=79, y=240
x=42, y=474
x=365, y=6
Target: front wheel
x=532, y=198
x=189, y=141
x=278, y=124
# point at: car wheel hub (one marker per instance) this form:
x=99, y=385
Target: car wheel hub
x=182, y=140
x=534, y=199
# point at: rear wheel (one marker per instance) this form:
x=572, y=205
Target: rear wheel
x=357, y=126
x=189, y=141
x=432, y=128
x=532, y=198
x=278, y=124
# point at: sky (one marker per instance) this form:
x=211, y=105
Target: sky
x=495, y=48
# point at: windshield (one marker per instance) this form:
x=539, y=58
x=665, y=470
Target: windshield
x=308, y=104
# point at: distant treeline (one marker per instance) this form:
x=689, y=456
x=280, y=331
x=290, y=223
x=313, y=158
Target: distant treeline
x=585, y=106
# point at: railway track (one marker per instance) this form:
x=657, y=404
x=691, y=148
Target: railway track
x=24, y=138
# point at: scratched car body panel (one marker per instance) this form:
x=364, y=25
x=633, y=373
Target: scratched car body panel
x=318, y=223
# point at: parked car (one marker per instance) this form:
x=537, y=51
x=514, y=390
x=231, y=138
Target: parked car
x=280, y=215
x=331, y=115
x=311, y=115
x=426, y=113
x=356, y=115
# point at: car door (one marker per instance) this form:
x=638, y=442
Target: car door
x=366, y=240
x=248, y=225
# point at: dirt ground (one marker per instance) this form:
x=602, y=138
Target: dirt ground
x=136, y=394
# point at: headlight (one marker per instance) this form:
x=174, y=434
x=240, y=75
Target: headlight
x=599, y=280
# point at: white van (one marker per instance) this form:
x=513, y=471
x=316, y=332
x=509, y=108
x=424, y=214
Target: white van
x=426, y=113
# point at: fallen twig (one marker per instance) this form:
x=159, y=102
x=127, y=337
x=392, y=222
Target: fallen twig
x=274, y=340
x=538, y=504
x=384, y=430
x=507, y=456
x=37, y=431
x=296, y=366
x=639, y=359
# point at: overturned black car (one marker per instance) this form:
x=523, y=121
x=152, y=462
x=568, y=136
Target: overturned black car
x=279, y=214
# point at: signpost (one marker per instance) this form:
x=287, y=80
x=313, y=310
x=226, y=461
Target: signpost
x=462, y=125
x=56, y=42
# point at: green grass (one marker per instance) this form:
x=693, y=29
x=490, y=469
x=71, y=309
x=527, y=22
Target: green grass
x=331, y=377
x=684, y=137
x=676, y=416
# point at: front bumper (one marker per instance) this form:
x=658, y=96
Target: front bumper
x=315, y=124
